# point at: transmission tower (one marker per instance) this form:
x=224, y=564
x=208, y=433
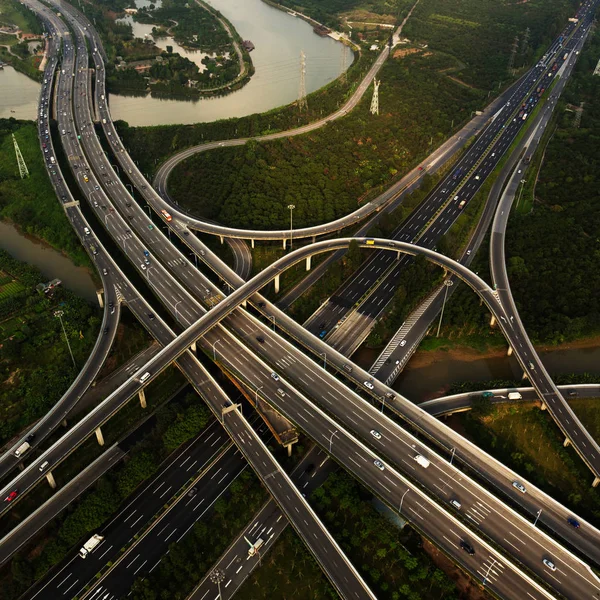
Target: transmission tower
x=525, y=42
x=344, y=65
x=375, y=99
x=23, y=170
x=302, y=104
x=513, y=53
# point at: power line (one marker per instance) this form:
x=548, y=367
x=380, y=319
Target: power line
x=375, y=99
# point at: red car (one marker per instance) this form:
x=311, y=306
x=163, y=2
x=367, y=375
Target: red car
x=11, y=496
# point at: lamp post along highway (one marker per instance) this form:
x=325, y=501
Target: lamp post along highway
x=59, y=314
x=448, y=283
x=215, y=350
x=537, y=517
x=218, y=577
x=291, y=207
x=402, y=500
x=175, y=307
x=331, y=440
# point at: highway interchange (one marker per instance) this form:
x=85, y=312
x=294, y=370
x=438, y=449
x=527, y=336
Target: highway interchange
x=188, y=314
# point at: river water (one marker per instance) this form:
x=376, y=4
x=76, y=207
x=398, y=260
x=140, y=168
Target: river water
x=279, y=38
x=50, y=262
x=18, y=93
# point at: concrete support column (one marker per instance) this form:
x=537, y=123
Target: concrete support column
x=245, y=303
x=596, y=482
x=289, y=449
x=308, y=262
x=21, y=466
x=398, y=255
x=525, y=375
x=252, y=244
x=222, y=239
x=50, y=480
x=99, y=436
x=64, y=423
x=314, y=239
x=193, y=347
x=99, y=293
x=543, y=406
x=566, y=443
x=492, y=321
x=284, y=243
x=509, y=351
x=142, y=396
x=277, y=284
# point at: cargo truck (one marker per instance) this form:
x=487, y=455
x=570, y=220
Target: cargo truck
x=22, y=449
x=515, y=396
x=90, y=545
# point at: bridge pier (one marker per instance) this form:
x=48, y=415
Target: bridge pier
x=509, y=351
x=276, y=283
x=252, y=244
x=64, y=423
x=193, y=347
x=399, y=255
x=308, y=262
x=596, y=482
x=99, y=294
x=99, y=436
x=284, y=243
x=525, y=375
x=314, y=239
x=142, y=396
x=222, y=239
x=566, y=443
x=288, y=447
x=543, y=406
x=50, y=479
x=493, y=321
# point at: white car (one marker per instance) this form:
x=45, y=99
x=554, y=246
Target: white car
x=375, y=434
x=143, y=267
x=369, y=385
x=379, y=465
x=275, y=376
x=549, y=564
x=403, y=343
x=519, y=486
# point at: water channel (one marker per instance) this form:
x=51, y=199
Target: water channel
x=50, y=262
x=19, y=95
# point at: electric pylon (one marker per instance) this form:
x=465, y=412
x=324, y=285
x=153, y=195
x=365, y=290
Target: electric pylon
x=23, y=170
x=525, y=43
x=375, y=99
x=344, y=65
x=513, y=53
x=302, y=104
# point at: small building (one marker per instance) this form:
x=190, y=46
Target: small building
x=248, y=45
x=374, y=47
x=131, y=11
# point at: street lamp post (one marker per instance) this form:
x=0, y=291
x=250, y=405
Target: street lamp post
x=324, y=355
x=218, y=577
x=452, y=456
x=402, y=500
x=448, y=283
x=537, y=517
x=215, y=350
x=256, y=393
x=176, y=313
x=195, y=258
x=488, y=571
x=149, y=212
x=59, y=314
x=291, y=207
x=331, y=440
x=272, y=317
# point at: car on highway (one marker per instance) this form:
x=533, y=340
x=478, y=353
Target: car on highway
x=143, y=267
x=104, y=271
x=549, y=564
x=11, y=496
x=379, y=465
x=467, y=547
x=455, y=503
x=375, y=434
x=275, y=376
x=519, y=486
x=573, y=522
x=572, y=393
x=403, y=343
x=260, y=339
x=192, y=492
x=150, y=227
x=369, y=385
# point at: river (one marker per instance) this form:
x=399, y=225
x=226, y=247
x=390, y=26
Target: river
x=18, y=93
x=423, y=382
x=279, y=38
x=50, y=262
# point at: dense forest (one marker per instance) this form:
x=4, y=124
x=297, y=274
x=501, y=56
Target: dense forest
x=481, y=33
x=329, y=172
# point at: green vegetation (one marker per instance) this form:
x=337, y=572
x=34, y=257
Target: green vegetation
x=189, y=560
x=289, y=572
x=391, y=560
x=526, y=439
x=99, y=503
x=329, y=172
x=16, y=14
x=480, y=34
x=31, y=203
x=35, y=365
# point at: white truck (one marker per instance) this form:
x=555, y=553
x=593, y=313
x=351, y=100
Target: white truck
x=420, y=459
x=514, y=396
x=253, y=551
x=90, y=545
x=22, y=449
